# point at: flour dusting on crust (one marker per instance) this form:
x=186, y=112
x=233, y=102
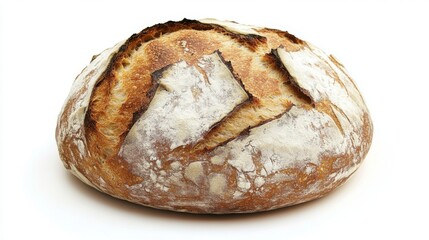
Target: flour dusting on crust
x=186, y=105
x=298, y=138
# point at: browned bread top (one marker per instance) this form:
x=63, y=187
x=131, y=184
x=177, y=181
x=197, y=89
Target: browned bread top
x=214, y=117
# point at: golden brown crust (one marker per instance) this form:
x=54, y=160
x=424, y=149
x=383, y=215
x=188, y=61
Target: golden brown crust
x=127, y=86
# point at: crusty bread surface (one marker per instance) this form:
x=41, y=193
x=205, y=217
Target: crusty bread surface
x=214, y=117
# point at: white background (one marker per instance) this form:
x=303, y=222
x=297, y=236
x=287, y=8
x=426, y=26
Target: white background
x=45, y=44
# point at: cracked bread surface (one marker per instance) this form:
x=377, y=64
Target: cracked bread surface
x=214, y=117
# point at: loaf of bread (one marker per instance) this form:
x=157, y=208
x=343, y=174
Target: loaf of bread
x=214, y=117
